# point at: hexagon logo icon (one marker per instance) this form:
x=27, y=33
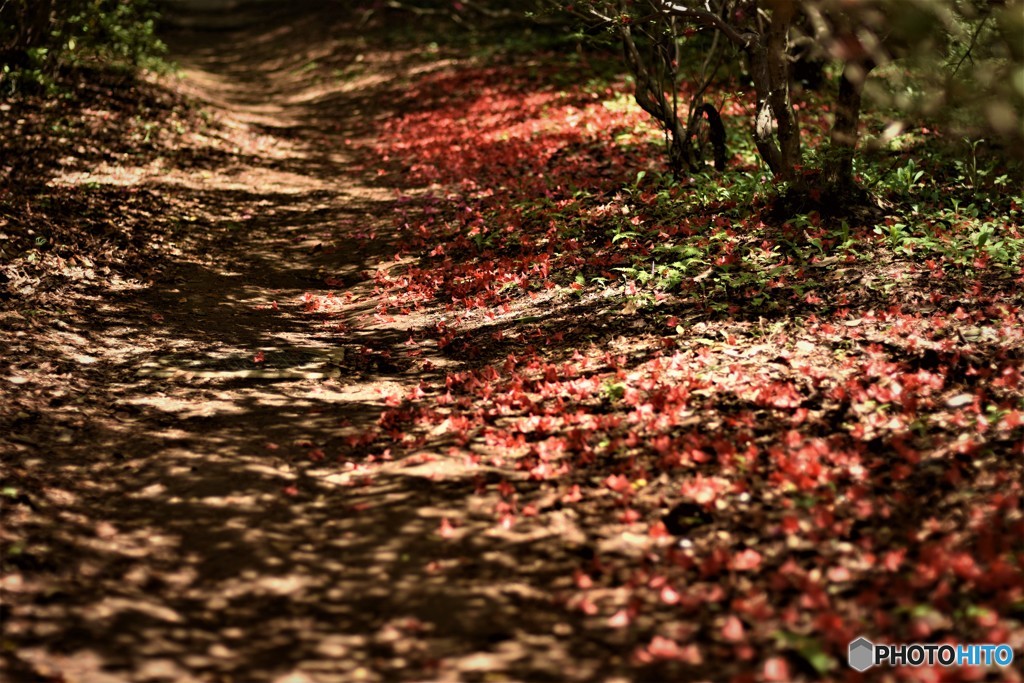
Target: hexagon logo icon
x=862, y=654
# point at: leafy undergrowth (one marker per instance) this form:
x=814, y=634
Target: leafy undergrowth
x=788, y=434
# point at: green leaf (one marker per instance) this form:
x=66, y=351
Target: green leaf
x=817, y=658
x=810, y=649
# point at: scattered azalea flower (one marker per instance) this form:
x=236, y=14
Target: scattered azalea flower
x=668, y=595
x=620, y=619
x=617, y=483
x=732, y=629
x=663, y=648
x=445, y=529
x=746, y=560
x=573, y=495
x=776, y=670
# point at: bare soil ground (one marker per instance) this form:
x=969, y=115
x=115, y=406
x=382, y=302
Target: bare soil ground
x=168, y=394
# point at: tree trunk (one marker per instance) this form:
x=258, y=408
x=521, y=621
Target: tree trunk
x=838, y=169
x=788, y=131
x=764, y=121
x=776, y=132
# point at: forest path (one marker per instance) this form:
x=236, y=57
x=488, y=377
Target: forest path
x=184, y=523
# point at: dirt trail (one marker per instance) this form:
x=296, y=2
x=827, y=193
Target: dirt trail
x=180, y=524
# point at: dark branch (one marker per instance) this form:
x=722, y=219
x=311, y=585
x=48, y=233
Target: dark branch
x=708, y=19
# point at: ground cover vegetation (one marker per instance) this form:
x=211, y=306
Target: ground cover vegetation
x=39, y=38
x=665, y=405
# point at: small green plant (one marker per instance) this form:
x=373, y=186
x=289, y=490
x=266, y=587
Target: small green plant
x=895, y=234
x=613, y=391
x=906, y=178
x=970, y=173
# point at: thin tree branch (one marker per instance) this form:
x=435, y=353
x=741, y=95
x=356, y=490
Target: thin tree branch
x=708, y=19
x=974, y=41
